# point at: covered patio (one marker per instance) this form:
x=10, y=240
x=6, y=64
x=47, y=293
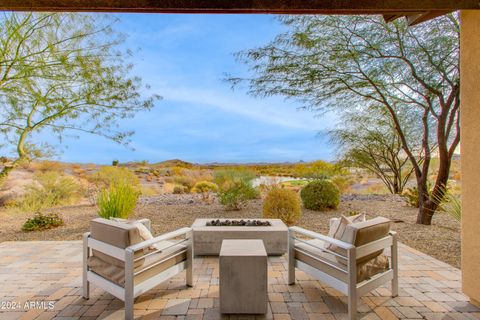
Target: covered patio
x=429, y=289
x=51, y=272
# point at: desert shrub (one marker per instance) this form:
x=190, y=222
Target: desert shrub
x=179, y=189
x=42, y=222
x=118, y=201
x=185, y=181
x=320, y=195
x=284, y=204
x=222, y=177
x=235, y=187
x=411, y=196
x=450, y=204
x=316, y=170
x=342, y=182
x=115, y=163
x=265, y=188
x=107, y=176
x=234, y=195
x=197, y=175
x=177, y=171
x=51, y=189
x=47, y=165
x=205, y=188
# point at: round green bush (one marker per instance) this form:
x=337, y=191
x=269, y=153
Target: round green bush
x=282, y=204
x=320, y=195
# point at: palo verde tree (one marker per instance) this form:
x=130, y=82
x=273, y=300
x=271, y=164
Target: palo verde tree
x=336, y=62
x=62, y=73
x=370, y=141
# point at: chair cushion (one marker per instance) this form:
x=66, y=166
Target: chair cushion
x=143, y=231
x=329, y=263
x=361, y=233
x=166, y=258
x=115, y=233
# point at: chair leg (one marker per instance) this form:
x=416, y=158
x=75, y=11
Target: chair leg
x=190, y=259
x=291, y=275
x=352, y=284
x=86, y=284
x=394, y=254
x=352, y=306
x=395, y=286
x=291, y=258
x=129, y=309
x=86, y=289
x=129, y=285
x=190, y=277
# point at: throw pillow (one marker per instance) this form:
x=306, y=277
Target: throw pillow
x=338, y=227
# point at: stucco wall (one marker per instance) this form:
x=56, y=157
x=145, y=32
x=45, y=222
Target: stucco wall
x=470, y=151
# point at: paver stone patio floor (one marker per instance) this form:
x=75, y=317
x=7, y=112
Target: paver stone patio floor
x=42, y=280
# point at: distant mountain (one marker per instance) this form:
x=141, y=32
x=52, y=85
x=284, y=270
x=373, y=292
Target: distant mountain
x=174, y=163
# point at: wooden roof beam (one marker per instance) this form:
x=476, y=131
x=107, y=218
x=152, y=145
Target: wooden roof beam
x=414, y=18
x=419, y=18
x=387, y=7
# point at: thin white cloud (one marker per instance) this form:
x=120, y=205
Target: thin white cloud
x=275, y=113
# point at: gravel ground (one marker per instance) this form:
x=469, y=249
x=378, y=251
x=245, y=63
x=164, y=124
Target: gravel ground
x=168, y=212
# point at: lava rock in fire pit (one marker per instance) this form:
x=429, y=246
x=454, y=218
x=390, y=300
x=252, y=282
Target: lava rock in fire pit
x=248, y=223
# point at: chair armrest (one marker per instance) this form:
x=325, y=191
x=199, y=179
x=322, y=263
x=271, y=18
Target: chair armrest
x=146, y=223
x=315, y=235
x=163, y=237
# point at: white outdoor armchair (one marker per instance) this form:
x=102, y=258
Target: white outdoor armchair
x=116, y=259
x=355, y=266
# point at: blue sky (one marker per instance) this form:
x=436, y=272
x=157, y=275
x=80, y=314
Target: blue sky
x=200, y=119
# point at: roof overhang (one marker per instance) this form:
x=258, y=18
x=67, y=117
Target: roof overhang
x=415, y=11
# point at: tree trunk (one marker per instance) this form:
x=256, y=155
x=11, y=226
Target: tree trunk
x=425, y=212
x=430, y=202
x=396, y=188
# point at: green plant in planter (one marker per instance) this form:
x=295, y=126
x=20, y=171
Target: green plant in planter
x=42, y=222
x=118, y=201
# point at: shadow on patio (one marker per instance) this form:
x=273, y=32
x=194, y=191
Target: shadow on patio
x=39, y=272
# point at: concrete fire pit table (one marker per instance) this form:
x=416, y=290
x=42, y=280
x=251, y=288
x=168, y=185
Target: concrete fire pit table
x=243, y=277
x=207, y=240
